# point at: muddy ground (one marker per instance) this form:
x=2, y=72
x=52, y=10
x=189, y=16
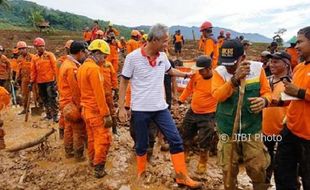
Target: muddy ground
x=45, y=166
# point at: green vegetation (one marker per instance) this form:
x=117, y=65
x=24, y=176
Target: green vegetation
x=19, y=14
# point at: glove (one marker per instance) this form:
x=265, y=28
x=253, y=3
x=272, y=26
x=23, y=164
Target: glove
x=108, y=122
x=30, y=86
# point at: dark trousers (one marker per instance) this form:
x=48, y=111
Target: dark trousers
x=48, y=95
x=165, y=124
x=200, y=125
x=271, y=150
x=293, y=151
x=152, y=132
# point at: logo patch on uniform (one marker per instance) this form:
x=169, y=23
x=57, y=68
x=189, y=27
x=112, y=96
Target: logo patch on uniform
x=227, y=52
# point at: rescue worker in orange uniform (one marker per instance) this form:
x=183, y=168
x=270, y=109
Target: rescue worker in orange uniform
x=178, y=42
x=111, y=30
x=24, y=71
x=4, y=102
x=200, y=117
x=114, y=48
x=110, y=88
x=95, y=110
x=94, y=30
x=210, y=44
x=293, y=52
x=273, y=116
x=69, y=98
x=133, y=42
x=59, y=62
x=5, y=70
x=99, y=34
x=87, y=35
x=13, y=61
x=43, y=72
x=293, y=153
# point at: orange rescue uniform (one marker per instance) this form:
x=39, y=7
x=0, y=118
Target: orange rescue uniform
x=273, y=116
x=87, y=36
x=202, y=100
x=74, y=133
x=211, y=49
x=95, y=108
x=4, y=98
x=24, y=72
x=43, y=68
x=132, y=45
x=5, y=68
x=298, y=119
x=294, y=56
x=113, y=57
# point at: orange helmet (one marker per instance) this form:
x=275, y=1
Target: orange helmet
x=15, y=51
x=72, y=113
x=135, y=33
x=206, y=25
x=100, y=32
x=21, y=44
x=39, y=42
x=68, y=44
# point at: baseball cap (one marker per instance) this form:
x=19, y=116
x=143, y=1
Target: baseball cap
x=202, y=62
x=77, y=46
x=230, y=52
x=280, y=55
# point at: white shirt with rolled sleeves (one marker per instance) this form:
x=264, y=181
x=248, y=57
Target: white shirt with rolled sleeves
x=147, y=82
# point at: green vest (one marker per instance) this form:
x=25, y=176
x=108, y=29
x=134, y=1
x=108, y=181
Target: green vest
x=226, y=111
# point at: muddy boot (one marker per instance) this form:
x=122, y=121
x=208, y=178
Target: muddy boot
x=182, y=177
x=2, y=144
x=69, y=153
x=141, y=165
x=260, y=186
x=61, y=133
x=149, y=155
x=99, y=171
x=202, y=164
x=22, y=112
x=79, y=155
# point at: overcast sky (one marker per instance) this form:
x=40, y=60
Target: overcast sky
x=256, y=16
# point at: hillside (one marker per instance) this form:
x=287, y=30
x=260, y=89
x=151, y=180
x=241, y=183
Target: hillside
x=188, y=34
x=21, y=14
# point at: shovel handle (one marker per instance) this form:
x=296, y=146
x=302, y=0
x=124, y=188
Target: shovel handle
x=27, y=106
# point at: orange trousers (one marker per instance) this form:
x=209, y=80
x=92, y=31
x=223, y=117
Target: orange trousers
x=115, y=64
x=25, y=91
x=99, y=140
x=74, y=135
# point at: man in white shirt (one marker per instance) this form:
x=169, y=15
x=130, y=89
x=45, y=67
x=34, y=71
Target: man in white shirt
x=145, y=68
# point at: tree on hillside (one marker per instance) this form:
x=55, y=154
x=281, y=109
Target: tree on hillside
x=36, y=18
x=278, y=36
x=4, y=3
